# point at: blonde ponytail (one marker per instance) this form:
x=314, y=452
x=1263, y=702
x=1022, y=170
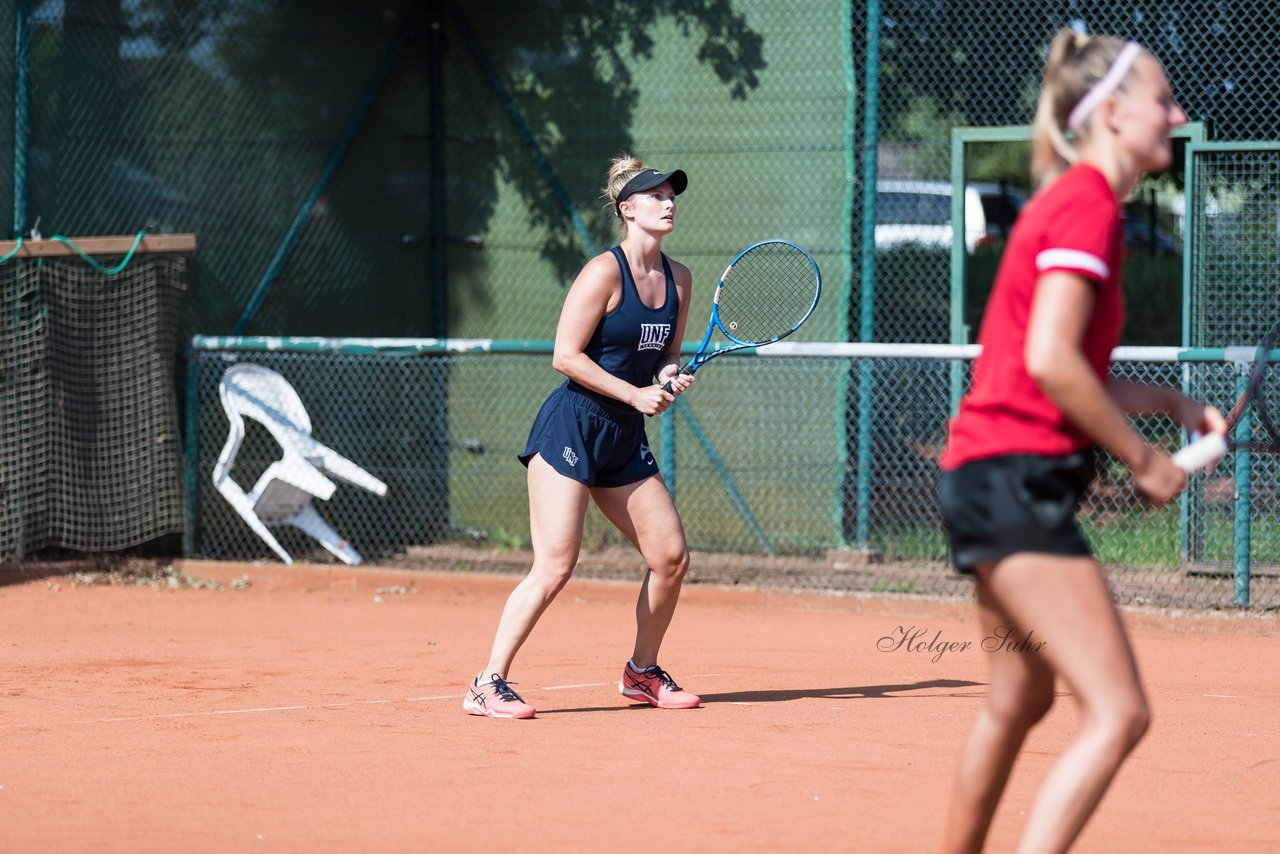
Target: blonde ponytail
x=1075, y=64
x=621, y=170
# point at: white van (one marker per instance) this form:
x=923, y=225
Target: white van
x=919, y=212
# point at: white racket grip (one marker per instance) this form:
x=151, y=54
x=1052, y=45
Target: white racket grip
x=1203, y=452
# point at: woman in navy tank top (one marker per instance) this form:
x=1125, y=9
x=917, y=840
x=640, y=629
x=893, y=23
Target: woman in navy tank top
x=618, y=342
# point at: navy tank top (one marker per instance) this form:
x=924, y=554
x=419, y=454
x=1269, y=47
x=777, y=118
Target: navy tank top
x=630, y=341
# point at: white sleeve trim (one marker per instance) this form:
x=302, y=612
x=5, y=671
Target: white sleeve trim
x=1072, y=259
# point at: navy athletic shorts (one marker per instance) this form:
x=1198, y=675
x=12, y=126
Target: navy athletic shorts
x=590, y=441
x=1005, y=505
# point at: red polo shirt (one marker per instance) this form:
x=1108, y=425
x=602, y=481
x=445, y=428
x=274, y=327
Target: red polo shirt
x=1074, y=225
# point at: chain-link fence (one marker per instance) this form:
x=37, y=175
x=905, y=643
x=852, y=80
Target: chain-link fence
x=764, y=484
x=402, y=168
x=289, y=137
x=411, y=168
x=1234, y=266
x=943, y=65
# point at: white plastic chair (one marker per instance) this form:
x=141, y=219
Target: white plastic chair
x=284, y=492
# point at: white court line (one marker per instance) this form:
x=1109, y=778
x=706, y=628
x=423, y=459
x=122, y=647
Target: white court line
x=216, y=712
x=209, y=713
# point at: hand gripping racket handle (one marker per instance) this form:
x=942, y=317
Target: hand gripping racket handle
x=667, y=385
x=1203, y=452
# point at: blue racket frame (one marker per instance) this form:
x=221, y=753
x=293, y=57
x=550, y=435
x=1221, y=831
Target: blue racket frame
x=702, y=356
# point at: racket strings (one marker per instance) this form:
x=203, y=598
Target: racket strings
x=767, y=293
x=1267, y=383
x=1263, y=380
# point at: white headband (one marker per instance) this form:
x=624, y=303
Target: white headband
x=1104, y=87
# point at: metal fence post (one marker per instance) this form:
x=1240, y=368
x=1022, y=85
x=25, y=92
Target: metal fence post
x=1241, y=533
x=192, y=517
x=21, y=58
x=866, y=331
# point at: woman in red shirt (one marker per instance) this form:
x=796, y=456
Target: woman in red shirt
x=1019, y=455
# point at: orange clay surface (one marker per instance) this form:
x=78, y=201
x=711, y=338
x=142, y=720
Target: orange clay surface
x=318, y=709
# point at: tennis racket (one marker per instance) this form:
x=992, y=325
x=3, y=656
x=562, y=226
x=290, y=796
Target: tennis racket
x=763, y=296
x=1255, y=394
x=1207, y=450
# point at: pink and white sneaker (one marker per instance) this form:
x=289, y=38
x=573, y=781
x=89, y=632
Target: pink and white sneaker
x=654, y=686
x=495, y=699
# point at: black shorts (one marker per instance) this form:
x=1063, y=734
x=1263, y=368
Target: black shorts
x=590, y=441
x=1005, y=505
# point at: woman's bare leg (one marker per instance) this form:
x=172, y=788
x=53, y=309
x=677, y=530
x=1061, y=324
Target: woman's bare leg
x=557, y=508
x=645, y=513
x=1020, y=694
x=1066, y=604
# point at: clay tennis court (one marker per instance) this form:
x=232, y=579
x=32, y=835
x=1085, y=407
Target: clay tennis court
x=318, y=709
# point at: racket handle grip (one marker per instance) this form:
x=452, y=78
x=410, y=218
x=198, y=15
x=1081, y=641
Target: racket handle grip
x=667, y=385
x=1203, y=452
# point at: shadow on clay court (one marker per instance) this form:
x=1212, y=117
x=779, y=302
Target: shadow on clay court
x=865, y=692
x=25, y=573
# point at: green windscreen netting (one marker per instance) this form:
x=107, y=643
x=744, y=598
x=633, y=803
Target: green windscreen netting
x=91, y=455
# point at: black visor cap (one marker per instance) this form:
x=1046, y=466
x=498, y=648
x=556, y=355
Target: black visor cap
x=650, y=178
